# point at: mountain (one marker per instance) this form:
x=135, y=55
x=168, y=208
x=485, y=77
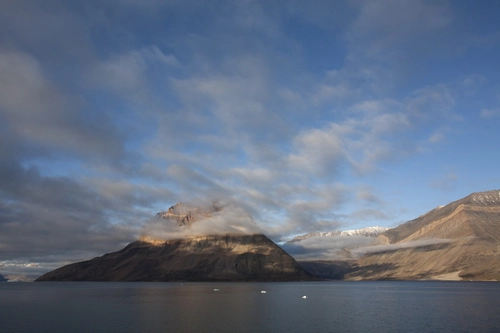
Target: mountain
x=18, y=278
x=185, y=215
x=2, y=279
x=202, y=258
x=365, y=232
x=208, y=258
x=458, y=241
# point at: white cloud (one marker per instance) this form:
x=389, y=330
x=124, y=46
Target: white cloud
x=433, y=102
x=318, y=151
x=439, y=135
x=327, y=248
x=230, y=220
x=405, y=245
x=473, y=82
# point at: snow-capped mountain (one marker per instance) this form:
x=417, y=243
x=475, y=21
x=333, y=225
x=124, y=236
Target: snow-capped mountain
x=365, y=232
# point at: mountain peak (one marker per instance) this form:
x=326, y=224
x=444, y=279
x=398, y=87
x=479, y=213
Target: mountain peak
x=488, y=198
x=186, y=214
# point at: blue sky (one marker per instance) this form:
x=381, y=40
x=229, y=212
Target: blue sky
x=310, y=116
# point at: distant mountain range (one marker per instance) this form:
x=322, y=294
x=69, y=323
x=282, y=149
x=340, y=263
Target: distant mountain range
x=15, y=278
x=365, y=232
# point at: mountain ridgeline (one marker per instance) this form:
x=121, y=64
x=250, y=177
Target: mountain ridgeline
x=459, y=241
x=204, y=258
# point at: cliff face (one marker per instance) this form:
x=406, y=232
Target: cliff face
x=210, y=258
x=460, y=240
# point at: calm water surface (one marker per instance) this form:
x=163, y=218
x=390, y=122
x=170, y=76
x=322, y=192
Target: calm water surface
x=241, y=307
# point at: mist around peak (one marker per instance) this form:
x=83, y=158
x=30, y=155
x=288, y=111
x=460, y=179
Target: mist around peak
x=186, y=220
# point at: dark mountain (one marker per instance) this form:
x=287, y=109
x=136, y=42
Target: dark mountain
x=329, y=269
x=2, y=279
x=209, y=258
x=206, y=258
x=458, y=241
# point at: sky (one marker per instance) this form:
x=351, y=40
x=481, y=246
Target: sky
x=306, y=115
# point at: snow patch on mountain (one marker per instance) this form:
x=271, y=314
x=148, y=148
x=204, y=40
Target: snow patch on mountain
x=486, y=198
x=372, y=232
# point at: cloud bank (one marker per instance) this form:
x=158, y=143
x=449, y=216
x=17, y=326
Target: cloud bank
x=229, y=220
x=404, y=245
x=328, y=248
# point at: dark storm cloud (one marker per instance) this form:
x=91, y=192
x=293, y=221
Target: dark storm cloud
x=42, y=215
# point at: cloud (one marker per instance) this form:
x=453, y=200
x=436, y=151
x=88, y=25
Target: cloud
x=327, y=248
x=367, y=194
x=39, y=113
x=389, y=40
x=348, y=247
x=447, y=183
x=439, y=135
x=318, y=151
x=230, y=220
x=74, y=216
x=369, y=215
x=473, y=82
x=489, y=113
x=434, y=102
x=129, y=73
x=405, y=245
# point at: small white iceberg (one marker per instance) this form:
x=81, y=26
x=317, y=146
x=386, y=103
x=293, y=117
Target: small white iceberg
x=304, y=296
x=216, y=289
x=263, y=292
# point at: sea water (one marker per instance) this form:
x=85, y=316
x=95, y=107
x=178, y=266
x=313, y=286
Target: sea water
x=338, y=306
